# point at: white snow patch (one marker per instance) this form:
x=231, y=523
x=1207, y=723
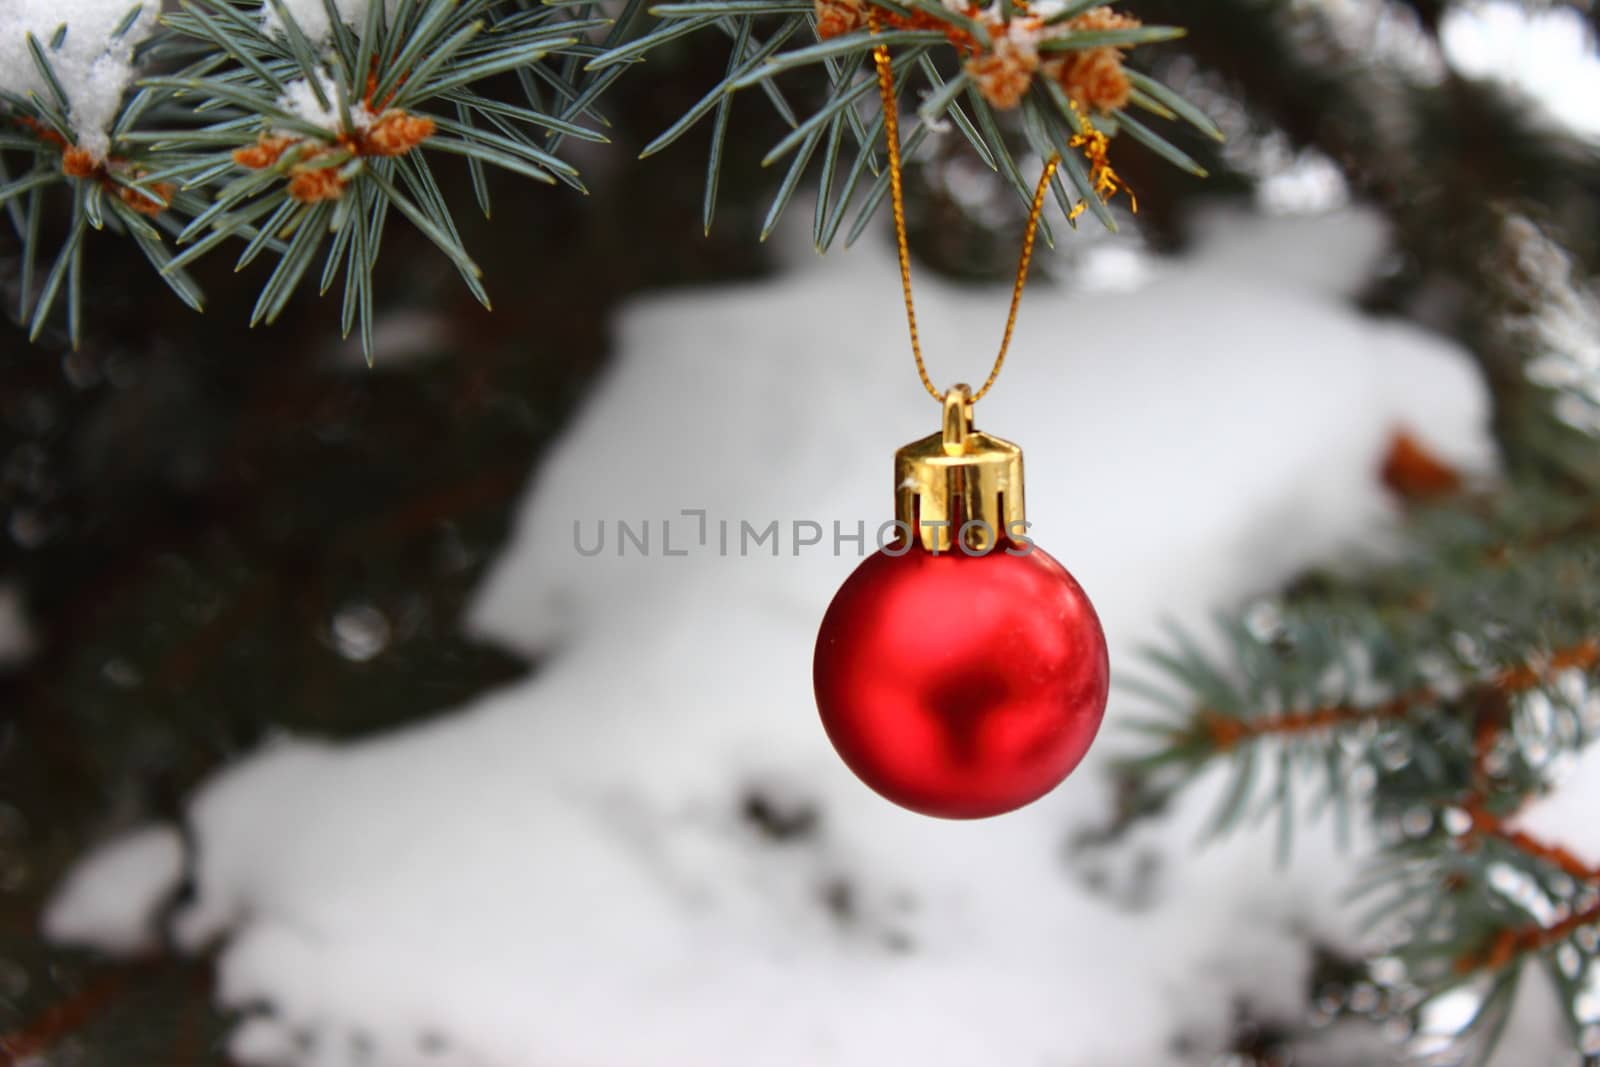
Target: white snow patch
x=93, y=64
x=110, y=897
x=1567, y=814
x=560, y=874
x=1384, y=33
x=401, y=339
x=1548, y=55
x=312, y=17
x=1539, y=1030
x=1114, y=267
x=300, y=99
x=1310, y=183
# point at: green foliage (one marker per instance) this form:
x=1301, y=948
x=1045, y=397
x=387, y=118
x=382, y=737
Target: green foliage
x=1045, y=121
x=1362, y=694
x=33, y=179
x=1431, y=696
x=252, y=132
x=423, y=59
x=1427, y=697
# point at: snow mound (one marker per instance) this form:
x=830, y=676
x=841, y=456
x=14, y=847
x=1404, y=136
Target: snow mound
x=648, y=856
x=111, y=897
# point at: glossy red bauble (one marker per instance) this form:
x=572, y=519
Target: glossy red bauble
x=961, y=686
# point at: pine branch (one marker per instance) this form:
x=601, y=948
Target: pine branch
x=1510, y=945
x=1228, y=732
x=1558, y=856
x=298, y=143
x=106, y=184
x=1453, y=680
x=1073, y=60
x=333, y=136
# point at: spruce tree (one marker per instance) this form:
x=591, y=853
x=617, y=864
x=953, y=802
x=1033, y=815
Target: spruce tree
x=249, y=157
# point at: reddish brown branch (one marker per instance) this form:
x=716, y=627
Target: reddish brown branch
x=1225, y=732
x=60, y=1019
x=1492, y=719
x=1514, y=942
x=1511, y=944
x=1559, y=856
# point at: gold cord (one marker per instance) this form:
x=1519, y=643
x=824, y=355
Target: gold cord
x=891, y=126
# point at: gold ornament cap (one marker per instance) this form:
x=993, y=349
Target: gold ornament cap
x=959, y=486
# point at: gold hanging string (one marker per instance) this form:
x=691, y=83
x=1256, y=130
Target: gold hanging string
x=891, y=126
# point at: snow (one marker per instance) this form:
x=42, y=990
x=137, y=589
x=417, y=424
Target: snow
x=1547, y=55
x=562, y=873
x=110, y=898
x=93, y=65
x=300, y=100
x=1383, y=33
x=312, y=17
x=1309, y=182
x=1561, y=323
x=1567, y=815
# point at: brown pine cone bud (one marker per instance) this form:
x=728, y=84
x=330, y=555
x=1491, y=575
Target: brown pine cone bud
x=396, y=133
x=836, y=17
x=78, y=163
x=1103, y=18
x=263, y=154
x=316, y=184
x=1095, y=79
x=1004, y=74
x=143, y=204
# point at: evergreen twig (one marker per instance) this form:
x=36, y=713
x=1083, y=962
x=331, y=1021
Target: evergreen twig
x=299, y=143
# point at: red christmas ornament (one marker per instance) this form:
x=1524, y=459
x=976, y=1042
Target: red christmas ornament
x=962, y=672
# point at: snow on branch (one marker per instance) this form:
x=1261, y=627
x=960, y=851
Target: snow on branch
x=77, y=55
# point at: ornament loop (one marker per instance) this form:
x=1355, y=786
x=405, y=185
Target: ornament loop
x=959, y=489
x=957, y=419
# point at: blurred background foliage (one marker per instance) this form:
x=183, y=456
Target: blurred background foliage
x=217, y=533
